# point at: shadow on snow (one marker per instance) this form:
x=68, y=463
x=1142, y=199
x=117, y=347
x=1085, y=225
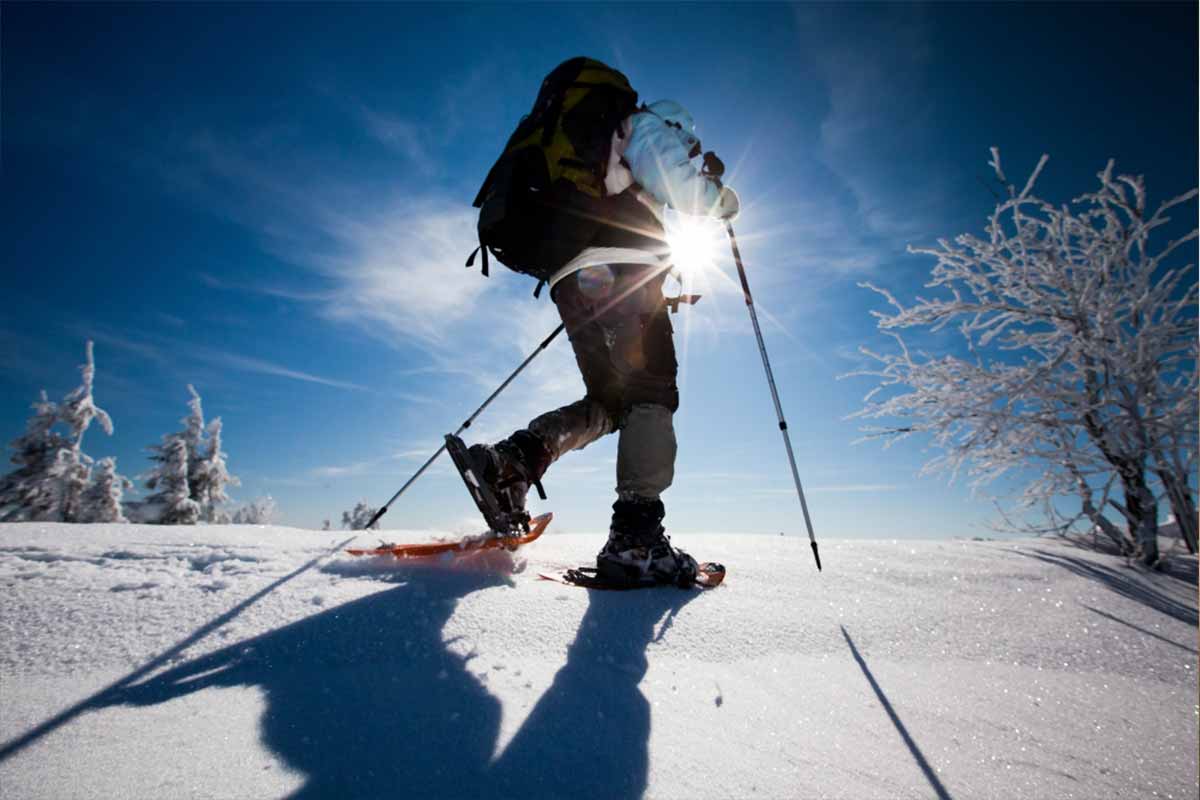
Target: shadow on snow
x=1176, y=599
x=926, y=769
x=101, y=698
x=369, y=700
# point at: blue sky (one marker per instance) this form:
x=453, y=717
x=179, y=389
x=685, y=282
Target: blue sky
x=273, y=204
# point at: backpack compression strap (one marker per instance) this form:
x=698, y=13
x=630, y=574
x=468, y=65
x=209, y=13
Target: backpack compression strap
x=483, y=263
x=482, y=250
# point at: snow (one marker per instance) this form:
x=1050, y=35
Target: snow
x=251, y=661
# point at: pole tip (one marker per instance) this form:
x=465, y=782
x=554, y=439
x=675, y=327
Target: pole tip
x=816, y=555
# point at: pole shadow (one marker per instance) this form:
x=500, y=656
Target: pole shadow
x=368, y=700
x=917, y=755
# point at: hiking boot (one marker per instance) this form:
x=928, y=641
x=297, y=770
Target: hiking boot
x=509, y=468
x=639, y=552
x=500, y=468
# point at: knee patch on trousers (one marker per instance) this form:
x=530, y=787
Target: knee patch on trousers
x=646, y=452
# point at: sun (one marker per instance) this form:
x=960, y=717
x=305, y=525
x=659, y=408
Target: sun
x=694, y=243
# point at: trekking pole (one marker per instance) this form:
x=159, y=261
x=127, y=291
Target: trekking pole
x=762, y=348
x=545, y=343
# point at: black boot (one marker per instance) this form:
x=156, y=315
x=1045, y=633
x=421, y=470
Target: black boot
x=510, y=467
x=638, y=550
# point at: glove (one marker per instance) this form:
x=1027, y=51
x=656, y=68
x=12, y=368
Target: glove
x=728, y=206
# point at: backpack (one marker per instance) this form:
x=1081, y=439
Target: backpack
x=542, y=200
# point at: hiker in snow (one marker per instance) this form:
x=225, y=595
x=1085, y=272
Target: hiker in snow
x=577, y=200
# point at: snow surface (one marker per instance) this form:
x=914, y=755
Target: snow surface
x=250, y=662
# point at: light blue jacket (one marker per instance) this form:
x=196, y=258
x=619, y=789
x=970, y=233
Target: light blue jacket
x=656, y=153
x=652, y=150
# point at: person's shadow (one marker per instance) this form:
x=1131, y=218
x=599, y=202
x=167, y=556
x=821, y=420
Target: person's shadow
x=588, y=735
x=367, y=700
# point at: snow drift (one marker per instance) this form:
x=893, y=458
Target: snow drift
x=246, y=662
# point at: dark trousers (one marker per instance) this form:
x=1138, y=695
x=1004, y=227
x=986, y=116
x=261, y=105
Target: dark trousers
x=621, y=333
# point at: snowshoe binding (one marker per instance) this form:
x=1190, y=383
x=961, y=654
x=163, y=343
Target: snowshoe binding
x=645, y=562
x=497, y=481
x=709, y=575
x=638, y=551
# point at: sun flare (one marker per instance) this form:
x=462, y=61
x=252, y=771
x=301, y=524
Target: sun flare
x=694, y=243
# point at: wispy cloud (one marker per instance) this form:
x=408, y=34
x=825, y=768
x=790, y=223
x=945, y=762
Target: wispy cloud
x=388, y=261
x=880, y=135
x=139, y=347
x=850, y=488
x=258, y=366
x=170, y=319
x=282, y=292
x=401, y=135
x=343, y=470
x=880, y=116
x=722, y=477
x=166, y=351
x=857, y=487
x=385, y=464
x=400, y=268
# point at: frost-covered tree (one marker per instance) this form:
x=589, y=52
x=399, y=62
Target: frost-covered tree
x=208, y=476
x=357, y=519
x=204, y=467
x=73, y=467
x=73, y=471
x=171, y=503
x=78, y=408
x=259, y=512
x=193, y=437
x=1077, y=357
x=54, y=474
x=102, y=499
x=33, y=490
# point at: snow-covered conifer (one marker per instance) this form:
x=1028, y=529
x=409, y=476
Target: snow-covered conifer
x=53, y=471
x=73, y=467
x=357, y=519
x=259, y=512
x=102, y=499
x=193, y=437
x=204, y=466
x=78, y=408
x=33, y=491
x=208, y=485
x=73, y=470
x=171, y=503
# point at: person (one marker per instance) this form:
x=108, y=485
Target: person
x=610, y=299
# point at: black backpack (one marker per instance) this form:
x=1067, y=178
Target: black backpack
x=542, y=201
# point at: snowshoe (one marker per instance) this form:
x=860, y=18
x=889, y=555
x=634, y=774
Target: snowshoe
x=708, y=575
x=470, y=544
